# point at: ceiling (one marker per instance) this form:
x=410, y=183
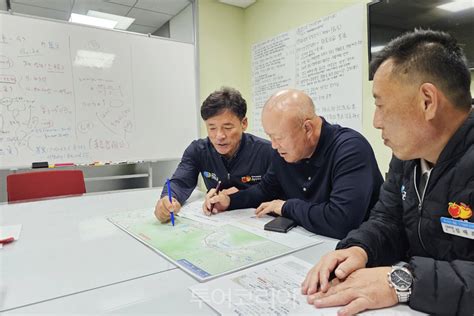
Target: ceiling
x=410, y=14
x=389, y=18
x=149, y=15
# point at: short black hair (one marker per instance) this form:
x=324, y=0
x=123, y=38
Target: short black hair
x=433, y=56
x=222, y=100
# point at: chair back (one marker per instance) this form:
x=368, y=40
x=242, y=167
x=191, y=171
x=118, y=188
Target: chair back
x=35, y=185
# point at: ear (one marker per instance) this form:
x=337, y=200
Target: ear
x=308, y=127
x=430, y=100
x=245, y=123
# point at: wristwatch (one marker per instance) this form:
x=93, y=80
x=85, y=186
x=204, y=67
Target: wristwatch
x=401, y=279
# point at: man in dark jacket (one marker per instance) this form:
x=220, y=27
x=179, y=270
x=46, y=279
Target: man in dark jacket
x=422, y=220
x=228, y=155
x=323, y=176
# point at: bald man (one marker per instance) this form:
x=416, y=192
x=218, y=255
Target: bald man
x=323, y=176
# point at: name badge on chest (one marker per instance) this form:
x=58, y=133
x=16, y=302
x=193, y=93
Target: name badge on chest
x=457, y=227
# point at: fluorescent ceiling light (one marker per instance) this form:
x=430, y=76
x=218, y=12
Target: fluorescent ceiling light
x=89, y=20
x=92, y=59
x=375, y=49
x=123, y=22
x=457, y=5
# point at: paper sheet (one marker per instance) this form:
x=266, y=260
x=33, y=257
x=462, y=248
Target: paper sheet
x=194, y=211
x=246, y=219
x=270, y=288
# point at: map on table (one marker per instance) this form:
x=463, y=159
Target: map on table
x=207, y=251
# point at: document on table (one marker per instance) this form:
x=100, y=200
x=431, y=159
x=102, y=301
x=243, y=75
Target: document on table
x=247, y=220
x=270, y=288
x=194, y=211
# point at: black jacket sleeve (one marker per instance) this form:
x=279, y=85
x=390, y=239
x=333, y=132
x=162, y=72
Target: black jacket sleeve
x=382, y=236
x=441, y=287
x=354, y=183
x=267, y=190
x=184, y=179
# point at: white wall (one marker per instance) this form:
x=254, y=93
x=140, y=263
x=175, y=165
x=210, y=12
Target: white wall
x=181, y=26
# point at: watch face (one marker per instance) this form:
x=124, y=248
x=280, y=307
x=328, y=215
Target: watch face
x=401, y=279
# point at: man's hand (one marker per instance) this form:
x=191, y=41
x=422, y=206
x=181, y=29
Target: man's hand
x=363, y=289
x=216, y=203
x=230, y=191
x=274, y=206
x=163, y=208
x=343, y=262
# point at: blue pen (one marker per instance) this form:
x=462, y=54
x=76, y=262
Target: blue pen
x=171, y=201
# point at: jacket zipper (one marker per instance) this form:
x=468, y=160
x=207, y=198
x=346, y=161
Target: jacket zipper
x=420, y=205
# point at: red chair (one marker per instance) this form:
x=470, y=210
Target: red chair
x=35, y=185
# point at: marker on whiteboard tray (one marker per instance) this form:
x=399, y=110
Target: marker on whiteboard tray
x=40, y=164
x=64, y=164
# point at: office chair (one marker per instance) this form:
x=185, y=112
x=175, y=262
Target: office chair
x=35, y=185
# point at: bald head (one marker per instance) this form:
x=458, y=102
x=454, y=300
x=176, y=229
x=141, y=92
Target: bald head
x=291, y=103
x=289, y=119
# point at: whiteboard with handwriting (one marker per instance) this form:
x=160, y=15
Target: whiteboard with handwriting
x=322, y=58
x=71, y=93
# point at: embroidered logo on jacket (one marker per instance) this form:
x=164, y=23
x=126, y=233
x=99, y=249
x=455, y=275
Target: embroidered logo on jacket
x=210, y=175
x=460, y=210
x=247, y=179
x=404, y=193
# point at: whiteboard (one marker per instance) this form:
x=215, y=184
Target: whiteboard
x=322, y=58
x=71, y=93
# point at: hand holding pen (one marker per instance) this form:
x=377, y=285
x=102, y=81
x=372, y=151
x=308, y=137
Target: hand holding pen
x=208, y=208
x=164, y=207
x=171, y=201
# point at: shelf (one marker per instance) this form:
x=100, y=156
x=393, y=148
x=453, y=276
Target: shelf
x=124, y=176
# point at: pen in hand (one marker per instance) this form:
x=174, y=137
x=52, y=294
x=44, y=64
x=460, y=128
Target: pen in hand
x=216, y=193
x=171, y=201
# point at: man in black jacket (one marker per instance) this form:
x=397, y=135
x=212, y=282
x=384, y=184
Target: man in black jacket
x=228, y=155
x=422, y=220
x=323, y=176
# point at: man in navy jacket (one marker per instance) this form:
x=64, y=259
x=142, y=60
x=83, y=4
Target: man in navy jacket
x=237, y=159
x=323, y=176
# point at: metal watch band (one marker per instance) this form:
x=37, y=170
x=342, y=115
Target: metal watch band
x=403, y=296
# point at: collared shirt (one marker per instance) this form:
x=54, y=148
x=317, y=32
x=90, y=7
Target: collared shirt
x=425, y=167
x=329, y=193
x=243, y=170
x=425, y=175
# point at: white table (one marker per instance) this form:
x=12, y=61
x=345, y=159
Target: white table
x=67, y=246
x=70, y=259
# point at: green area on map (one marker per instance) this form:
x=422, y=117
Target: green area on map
x=213, y=249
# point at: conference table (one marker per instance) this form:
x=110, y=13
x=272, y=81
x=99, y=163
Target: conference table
x=71, y=259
